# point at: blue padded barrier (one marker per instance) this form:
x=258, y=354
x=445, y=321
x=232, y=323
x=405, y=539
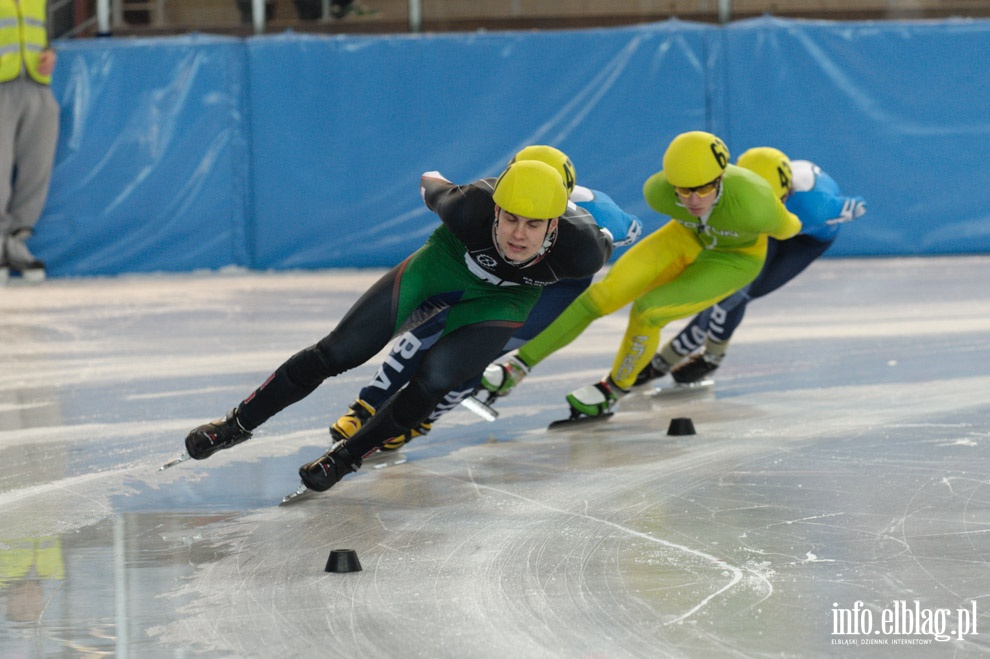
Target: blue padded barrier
x=303, y=151
x=151, y=167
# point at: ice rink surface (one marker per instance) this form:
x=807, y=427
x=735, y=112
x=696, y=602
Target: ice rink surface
x=835, y=500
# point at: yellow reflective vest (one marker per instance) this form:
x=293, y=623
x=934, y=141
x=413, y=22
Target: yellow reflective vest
x=31, y=557
x=23, y=35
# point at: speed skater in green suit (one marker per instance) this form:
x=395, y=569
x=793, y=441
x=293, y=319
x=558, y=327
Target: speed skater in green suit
x=499, y=243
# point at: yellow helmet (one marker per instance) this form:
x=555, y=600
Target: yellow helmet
x=695, y=158
x=532, y=189
x=772, y=165
x=553, y=157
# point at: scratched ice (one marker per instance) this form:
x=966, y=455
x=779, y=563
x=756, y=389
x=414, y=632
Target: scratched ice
x=838, y=477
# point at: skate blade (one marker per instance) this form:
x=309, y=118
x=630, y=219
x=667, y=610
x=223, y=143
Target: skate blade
x=481, y=409
x=392, y=461
x=561, y=424
x=683, y=388
x=302, y=492
x=172, y=463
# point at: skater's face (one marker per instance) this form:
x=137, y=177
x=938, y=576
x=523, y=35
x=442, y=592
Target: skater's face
x=520, y=238
x=699, y=200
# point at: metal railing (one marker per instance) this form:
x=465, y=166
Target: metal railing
x=110, y=15
x=73, y=18
x=67, y=20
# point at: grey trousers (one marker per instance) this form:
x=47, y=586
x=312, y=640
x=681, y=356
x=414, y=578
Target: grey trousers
x=29, y=116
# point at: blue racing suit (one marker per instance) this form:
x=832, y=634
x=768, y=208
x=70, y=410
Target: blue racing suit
x=822, y=208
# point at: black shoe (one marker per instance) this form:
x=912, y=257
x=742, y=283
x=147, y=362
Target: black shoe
x=694, y=369
x=204, y=441
x=322, y=474
x=656, y=369
x=18, y=258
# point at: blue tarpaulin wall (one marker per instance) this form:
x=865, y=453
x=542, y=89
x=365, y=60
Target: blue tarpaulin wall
x=302, y=151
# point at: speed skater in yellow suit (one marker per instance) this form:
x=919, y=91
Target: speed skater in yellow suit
x=714, y=244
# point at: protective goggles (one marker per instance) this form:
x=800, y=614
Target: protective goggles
x=700, y=190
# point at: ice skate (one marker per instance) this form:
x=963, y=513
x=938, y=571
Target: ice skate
x=322, y=474
x=172, y=463
x=695, y=368
x=207, y=439
x=656, y=369
x=596, y=399
x=595, y=402
x=501, y=379
x=484, y=408
x=396, y=443
x=301, y=493
x=351, y=421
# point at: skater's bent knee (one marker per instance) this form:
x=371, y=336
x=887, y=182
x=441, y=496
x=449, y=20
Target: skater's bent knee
x=310, y=367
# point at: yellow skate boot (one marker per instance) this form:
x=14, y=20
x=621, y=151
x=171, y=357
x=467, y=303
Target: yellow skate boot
x=398, y=442
x=351, y=421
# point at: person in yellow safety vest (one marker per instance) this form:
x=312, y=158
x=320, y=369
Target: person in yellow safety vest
x=28, y=131
x=26, y=564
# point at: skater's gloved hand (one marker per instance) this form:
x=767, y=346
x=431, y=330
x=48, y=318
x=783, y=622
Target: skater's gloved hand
x=853, y=208
x=502, y=378
x=425, y=177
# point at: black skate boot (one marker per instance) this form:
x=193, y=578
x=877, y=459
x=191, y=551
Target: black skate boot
x=322, y=474
x=695, y=368
x=207, y=439
x=656, y=369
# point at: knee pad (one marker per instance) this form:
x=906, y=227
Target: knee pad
x=310, y=367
